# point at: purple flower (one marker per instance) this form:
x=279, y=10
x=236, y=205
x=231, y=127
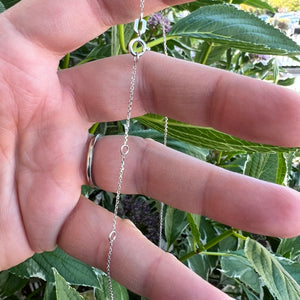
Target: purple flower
x=139, y=211
x=264, y=59
x=156, y=20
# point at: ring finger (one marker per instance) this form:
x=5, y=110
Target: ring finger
x=195, y=186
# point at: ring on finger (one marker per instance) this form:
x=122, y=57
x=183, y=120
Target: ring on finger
x=89, y=160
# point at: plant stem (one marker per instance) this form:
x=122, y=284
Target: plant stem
x=188, y=255
x=215, y=253
x=159, y=41
x=66, y=61
x=93, y=128
x=220, y=157
x=219, y=238
x=122, y=38
x=208, y=245
x=239, y=236
x=206, y=53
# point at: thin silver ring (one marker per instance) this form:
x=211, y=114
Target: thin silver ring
x=89, y=160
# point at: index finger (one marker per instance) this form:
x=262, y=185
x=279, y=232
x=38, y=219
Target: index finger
x=241, y=106
x=63, y=25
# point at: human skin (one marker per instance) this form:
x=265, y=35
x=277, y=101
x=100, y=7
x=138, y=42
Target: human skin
x=44, y=119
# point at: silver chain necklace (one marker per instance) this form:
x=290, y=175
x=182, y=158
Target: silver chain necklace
x=161, y=215
x=139, y=29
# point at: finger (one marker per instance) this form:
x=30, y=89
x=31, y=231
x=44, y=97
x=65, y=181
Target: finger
x=195, y=186
x=192, y=93
x=63, y=25
x=139, y=265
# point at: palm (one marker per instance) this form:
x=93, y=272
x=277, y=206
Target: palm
x=42, y=145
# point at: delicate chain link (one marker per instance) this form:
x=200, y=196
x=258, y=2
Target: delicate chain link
x=163, y=25
x=124, y=151
x=125, y=147
x=161, y=214
x=142, y=6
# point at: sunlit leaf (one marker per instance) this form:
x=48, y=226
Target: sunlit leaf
x=207, y=137
x=103, y=293
x=280, y=283
x=254, y=3
x=63, y=290
x=228, y=26
x=172, y=143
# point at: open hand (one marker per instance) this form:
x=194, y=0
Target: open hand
x=44, y=119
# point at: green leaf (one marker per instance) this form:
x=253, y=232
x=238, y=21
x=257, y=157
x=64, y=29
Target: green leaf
x=115, y=41
x=50, y=292
x=172, y=143
x=208, y=232
x=228, y=26
x=175, y=223
x=286, y=82
x=202, y=264
x=194, y=222
x=103, y=293
x=73, y=270
x=254, y=3
x=281, y=168
x=206, y=137
x=270, y=167
x=10, y=284
x=198, y=3
x=98, y=52
x=262, y=166
x=128, y=32
x=228, y=244
x=63, y=290
x=9, y=3
x=115, y=45
x=2, y=7
x=249, y=294
x=293, y=268
x=280, y=283
x=237, y=266
x=289, y=248
x=215, y=55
